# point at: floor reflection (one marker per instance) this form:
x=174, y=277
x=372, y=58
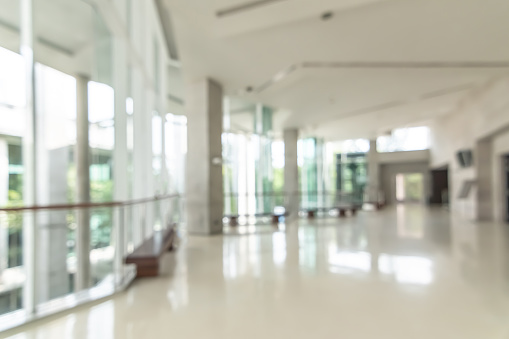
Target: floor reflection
x=297, y=281
x=360, y=261
x=407, y=270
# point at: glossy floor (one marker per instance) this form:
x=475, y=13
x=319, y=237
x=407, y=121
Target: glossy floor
x=406, y=272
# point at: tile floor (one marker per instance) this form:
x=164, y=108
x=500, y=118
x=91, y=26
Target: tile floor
x=403, y=273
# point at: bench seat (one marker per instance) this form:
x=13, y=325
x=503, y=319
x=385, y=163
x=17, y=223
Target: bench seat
x=147, y=256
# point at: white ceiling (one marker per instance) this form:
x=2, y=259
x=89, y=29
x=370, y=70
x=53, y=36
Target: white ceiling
x=63, y=32
x=250, y=47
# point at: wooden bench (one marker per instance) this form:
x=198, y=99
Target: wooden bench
x=311, y=213
x=234, y=219
x=276, y=218
x=343, y=209
x=147, y=256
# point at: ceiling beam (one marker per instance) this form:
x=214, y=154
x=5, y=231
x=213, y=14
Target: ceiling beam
x=283, y=74
x=400, y=103
x=244, y=7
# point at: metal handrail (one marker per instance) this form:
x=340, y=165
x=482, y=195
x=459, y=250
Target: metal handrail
x=89, y=205
x=265, y=194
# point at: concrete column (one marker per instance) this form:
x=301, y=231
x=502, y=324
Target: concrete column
x=120, y=149
x=51, y=171
x=373, y=185
x=141, y=145
x=52, y=225
x=291, y=188
x=204, y=192
x=83, y=279
x=120, y=156
x=484, y=167
x=29, y=157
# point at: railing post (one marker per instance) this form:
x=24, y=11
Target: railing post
x=83, y=277
x=29, y=159
x=82, y=155
x=119, y=246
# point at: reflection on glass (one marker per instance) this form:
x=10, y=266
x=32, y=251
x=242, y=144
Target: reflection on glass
x=407, y=269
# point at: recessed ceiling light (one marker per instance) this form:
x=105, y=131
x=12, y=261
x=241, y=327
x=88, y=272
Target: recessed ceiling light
x=327, y=15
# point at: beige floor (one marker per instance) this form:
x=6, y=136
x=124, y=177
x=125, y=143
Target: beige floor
x=406, y=273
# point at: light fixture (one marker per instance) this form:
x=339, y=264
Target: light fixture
x=327, y=16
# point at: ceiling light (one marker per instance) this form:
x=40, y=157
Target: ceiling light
x=327, y=15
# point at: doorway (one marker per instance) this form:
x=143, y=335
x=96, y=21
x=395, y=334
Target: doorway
x=440, y=187
x=410, y=188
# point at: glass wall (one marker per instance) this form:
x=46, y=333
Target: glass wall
x=351, y=169
x=252, y=186
x=405, y=139
x=308, y=160
x=72, y=45
x=176, y=150
x=12, y=132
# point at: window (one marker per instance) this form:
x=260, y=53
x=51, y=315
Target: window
x=404, y=139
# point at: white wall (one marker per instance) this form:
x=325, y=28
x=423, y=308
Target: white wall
x=406, y=157
x=482, y=115
x=500, y=148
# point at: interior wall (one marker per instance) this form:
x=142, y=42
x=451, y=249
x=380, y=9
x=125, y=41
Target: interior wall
x=500, y=146
x=388, y=174
x=483, y=115
x=404, y=157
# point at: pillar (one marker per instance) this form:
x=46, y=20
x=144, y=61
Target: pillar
x=120, y=156
x=51, y=171
x=142, y=150
x=120, y=150
x=291, y=187
x=83, y=279
x=204, y=178
x=484, y=167
x=53, y=281
x=373, y=184
x=29, y=157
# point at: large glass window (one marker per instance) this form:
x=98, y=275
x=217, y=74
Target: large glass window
x=101, y=107
x=12, y=79
x=405, y=139
x=176, y=150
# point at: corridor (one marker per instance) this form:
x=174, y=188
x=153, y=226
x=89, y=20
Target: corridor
x=405, y=272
